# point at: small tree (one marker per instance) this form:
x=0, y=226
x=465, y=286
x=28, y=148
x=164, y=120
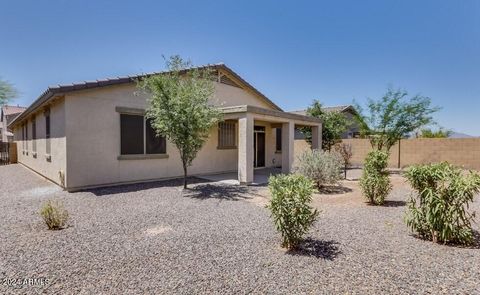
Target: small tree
x=440, y=133
x=334, y=125
x=394, y=117
x=7, y=92
x=290, y=207
x=179, y=107
x=374, y=182
x=345, y=151
x=438, y=211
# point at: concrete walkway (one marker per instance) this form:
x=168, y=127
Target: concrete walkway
x=260, y=176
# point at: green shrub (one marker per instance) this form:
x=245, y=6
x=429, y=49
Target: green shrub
x=290, y=207
x=439, y=209
x=320, y=166
x=374, y=182
x=54, y=215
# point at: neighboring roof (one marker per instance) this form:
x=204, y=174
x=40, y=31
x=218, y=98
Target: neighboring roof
x=61, y=89
x=340, y=108
x=10, y=112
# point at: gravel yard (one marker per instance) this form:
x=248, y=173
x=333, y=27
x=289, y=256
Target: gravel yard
x=152, y=238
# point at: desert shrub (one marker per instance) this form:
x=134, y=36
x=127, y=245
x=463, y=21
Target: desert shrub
x=54, y=215
x=320, y=166
x=290, y=207
x=374, y=182
x=438, y=211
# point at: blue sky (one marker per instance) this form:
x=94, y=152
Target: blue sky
x=293, y=51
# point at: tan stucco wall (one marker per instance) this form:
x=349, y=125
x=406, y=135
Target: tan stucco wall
x=463, y=152
x=227, y=96
x=93, y=132
x=49, y=169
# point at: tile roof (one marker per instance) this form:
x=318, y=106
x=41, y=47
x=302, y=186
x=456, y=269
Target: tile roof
x=339, y=108
x=60, y=89
x=10, y=110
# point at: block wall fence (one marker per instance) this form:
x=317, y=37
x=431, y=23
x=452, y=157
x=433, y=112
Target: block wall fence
x=464, y=152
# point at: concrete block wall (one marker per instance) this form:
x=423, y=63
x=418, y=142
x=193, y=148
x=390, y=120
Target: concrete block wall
x=463, y=152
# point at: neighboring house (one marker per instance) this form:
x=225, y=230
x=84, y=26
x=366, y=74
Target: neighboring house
x=95, y=134
x=348, y=110
x=7, y=114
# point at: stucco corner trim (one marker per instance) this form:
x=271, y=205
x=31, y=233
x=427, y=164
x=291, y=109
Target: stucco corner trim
x=142, y=157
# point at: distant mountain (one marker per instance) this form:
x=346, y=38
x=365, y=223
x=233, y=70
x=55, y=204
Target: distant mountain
x=460, y=135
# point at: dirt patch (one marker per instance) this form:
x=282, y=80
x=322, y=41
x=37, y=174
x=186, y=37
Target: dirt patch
x=157, y=230
x=348, y=193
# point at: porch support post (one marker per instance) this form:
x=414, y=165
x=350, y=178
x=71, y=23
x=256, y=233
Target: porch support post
x=317, y=137
x=245, y=149
x=288, y=136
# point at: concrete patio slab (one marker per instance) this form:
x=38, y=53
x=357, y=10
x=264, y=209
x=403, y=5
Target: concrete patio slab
x=260, y=177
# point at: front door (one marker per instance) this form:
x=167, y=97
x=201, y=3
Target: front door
x=259, y=146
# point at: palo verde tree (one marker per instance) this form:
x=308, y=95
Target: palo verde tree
x=7, y=92
x=179, y=108
x=333, y=126
x=394, y=116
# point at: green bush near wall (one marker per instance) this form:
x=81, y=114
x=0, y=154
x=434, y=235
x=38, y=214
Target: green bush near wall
x=439, y=209
x=374, y=182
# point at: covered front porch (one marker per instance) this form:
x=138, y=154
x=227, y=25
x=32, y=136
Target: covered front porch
x=265, y=139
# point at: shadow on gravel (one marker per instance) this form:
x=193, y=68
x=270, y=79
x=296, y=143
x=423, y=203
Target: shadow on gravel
x=390, y=203
x=334, y=190
x=474, y=245
x=320, y=249
x=128, y=188
x=221, y=192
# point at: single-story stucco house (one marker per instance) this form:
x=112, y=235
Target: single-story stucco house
x=94, y=133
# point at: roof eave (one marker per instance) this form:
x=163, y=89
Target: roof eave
x=60, y=89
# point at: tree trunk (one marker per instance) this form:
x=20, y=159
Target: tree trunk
x=184, y=176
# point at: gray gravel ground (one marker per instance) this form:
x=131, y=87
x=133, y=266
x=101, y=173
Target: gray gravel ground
x=152, y=239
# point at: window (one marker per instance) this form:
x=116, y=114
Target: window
x=154, y=144
x=137, y=137
x=47, y=131
x=23, y=138
x=226, y=135
x=278, y=139
x=34, y=134
x=26, y=136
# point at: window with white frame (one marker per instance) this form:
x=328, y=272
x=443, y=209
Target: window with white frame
x=226, y=135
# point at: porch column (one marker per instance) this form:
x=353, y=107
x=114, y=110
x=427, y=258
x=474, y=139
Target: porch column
x=317, y=137
x=288, y=135
x=245, y=149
